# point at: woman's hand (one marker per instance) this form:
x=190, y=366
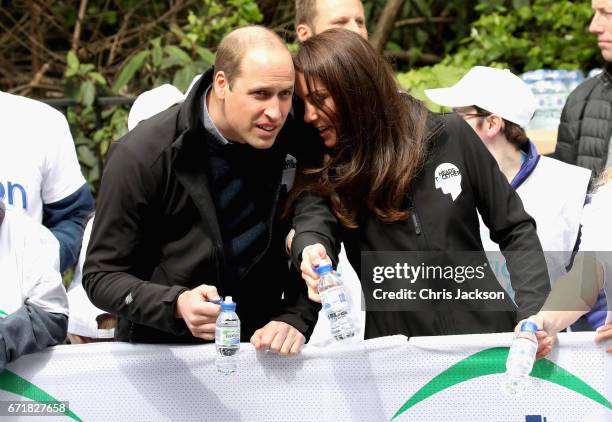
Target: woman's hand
x=604, y=333
x=546, y=339
x=312, y=257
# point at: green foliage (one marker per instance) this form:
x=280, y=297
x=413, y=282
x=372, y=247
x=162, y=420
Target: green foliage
x=416, y=81
x=521, y=35
x=530, y=35
x=175, y=57
x=82, y=80
x=226, y=16
x=128, y=46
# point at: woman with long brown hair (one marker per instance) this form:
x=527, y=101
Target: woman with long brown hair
x=391, y=176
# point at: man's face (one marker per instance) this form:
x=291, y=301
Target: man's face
x=347, y=14
x=601, y=24
x=255, y=108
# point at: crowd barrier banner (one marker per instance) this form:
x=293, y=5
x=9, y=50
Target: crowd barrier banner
x=453, y=378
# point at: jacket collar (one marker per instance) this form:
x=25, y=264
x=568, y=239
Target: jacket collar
x=189, y=118
x=190, y=156
x=606, y=75
x=528, y=166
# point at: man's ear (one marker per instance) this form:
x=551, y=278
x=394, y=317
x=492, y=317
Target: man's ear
x=220, y=84
x=303, y=32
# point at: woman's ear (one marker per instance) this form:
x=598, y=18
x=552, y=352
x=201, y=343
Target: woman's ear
x=494, y=125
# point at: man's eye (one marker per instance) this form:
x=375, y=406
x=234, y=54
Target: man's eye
x=286, y=94
x=261, y=94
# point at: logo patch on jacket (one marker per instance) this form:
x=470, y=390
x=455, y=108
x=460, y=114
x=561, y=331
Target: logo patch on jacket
x=448, y=179
x=289, y=171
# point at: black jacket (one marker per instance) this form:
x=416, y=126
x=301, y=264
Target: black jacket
x=586, y=124
x=437, y=223
x=156, y=233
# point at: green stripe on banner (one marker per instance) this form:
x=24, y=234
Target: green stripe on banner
x=2, y=313
x=548, y=371
x=493, y=361
x=13, y=383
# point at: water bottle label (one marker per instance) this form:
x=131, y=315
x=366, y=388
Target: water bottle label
x=334, y=299
x=227, y=336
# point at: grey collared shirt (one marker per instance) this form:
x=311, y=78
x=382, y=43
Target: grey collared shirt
x=209, y=125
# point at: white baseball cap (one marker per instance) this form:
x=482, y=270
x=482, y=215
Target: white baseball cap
x=154, y=101
x=498, y=91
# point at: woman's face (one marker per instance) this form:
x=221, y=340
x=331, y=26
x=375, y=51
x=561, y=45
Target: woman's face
x=315, y=116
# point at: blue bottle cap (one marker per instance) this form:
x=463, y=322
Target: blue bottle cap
x=529, y=326
x=228, y=304
x=323, y=269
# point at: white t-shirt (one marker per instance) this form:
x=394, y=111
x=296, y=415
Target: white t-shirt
x=29, y=266
x=82, y=320
x=38, y=162
x=597, y=235
x=553, y=195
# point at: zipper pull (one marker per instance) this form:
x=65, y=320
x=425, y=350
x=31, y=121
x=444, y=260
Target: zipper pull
x=415, y=222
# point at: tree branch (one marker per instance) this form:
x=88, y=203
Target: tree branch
x=402, y=55
x=76, y=35
x=416, y=21
x=385, y=24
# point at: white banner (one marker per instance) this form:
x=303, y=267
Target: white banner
x=454, y=378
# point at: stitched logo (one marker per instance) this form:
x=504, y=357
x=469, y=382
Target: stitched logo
x=448, y=179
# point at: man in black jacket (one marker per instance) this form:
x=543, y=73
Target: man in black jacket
x=586, y=121
x=189, y=209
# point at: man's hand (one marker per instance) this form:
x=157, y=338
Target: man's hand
x=278, y=337
x=199, y=314
x=312, y=257
x=546, y=340
x=604, y=333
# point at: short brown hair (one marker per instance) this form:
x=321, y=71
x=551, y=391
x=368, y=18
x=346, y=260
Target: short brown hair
x=234, y=45
x=305, y=12
x=604, y=178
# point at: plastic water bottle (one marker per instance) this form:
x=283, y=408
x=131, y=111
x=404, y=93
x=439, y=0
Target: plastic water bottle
x=521, y=358
x=336, y=303
x=227, y=337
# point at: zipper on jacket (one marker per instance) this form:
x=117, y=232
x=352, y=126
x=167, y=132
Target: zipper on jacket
x=415, y=222
x=413, y=214
x=271, y=223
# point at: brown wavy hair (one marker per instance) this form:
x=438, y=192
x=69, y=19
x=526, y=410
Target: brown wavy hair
x=380, y=130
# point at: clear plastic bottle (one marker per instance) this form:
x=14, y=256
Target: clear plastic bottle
x=521, y=358
x=336, y=303
x=227, y=337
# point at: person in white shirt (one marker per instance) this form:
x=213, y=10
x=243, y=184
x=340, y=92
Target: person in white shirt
x=40, y=175
x=86, y=323
x=575, y=293
x=498, y=105
x=33, y=302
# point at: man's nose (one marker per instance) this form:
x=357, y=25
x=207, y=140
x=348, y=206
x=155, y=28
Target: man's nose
x=273, y=111
x=595, y=26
